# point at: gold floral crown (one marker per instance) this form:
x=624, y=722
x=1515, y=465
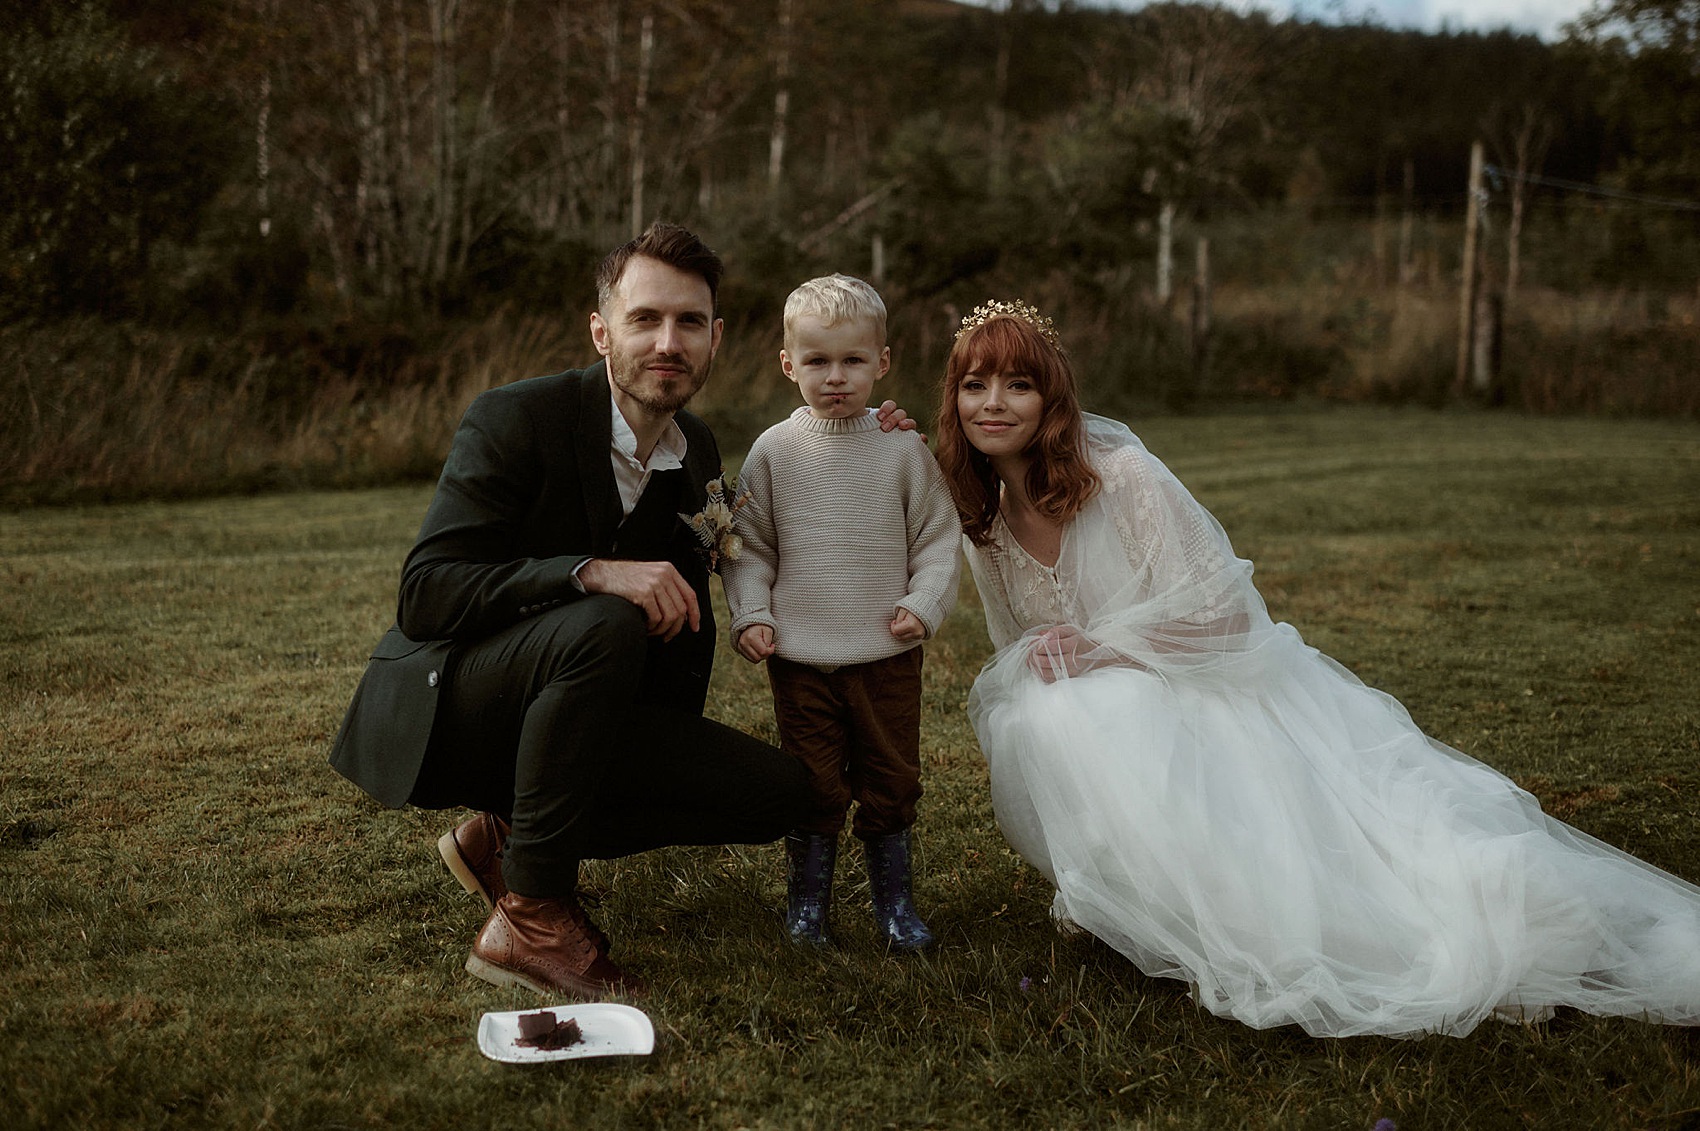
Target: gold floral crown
x=1017, y=309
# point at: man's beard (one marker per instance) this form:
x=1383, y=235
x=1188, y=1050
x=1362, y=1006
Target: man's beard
x=627, y=374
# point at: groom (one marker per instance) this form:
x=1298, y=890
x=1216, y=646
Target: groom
x=554, y=635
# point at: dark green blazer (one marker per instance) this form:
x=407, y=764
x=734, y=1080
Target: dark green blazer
x=526, y=495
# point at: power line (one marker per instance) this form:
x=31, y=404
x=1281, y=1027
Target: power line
x=1496, y=172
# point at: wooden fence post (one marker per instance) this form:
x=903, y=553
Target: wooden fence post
x=1485, y=348
x=1467, y=288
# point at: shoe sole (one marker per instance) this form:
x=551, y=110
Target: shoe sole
x=502, y=976
x=450, y=852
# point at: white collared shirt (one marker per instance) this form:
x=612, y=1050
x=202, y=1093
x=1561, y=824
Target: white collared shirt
x=631, y=475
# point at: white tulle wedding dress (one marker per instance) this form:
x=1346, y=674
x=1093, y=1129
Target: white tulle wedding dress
x=1223, y=804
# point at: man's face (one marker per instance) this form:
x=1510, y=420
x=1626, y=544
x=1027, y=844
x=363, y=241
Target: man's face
x=659, y=335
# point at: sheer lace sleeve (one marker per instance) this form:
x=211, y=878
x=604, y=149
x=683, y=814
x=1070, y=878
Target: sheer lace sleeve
x=1153, y=573
x=988, y=569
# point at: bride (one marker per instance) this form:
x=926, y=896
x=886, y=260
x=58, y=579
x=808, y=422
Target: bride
x=1222, y=803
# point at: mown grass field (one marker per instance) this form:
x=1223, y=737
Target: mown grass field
x=202, y=925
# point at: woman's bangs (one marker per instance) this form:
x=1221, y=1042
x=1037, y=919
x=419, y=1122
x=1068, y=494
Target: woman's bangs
x=1004, y=346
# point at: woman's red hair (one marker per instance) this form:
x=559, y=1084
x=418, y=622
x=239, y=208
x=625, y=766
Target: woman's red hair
x=1059, y=480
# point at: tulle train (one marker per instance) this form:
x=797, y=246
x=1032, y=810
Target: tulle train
x=1300, y=852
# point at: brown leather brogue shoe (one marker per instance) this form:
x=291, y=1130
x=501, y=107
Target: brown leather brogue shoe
x=549, y=946
x=473, y=852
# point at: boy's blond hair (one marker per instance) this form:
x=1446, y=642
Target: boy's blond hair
x=835, y=299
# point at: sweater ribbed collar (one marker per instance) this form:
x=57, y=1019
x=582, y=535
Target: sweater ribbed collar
x=866, y=422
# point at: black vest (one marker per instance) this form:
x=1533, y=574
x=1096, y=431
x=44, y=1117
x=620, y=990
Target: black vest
x=647, y=533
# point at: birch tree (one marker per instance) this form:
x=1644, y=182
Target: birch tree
x=781, y=105
x=1200, y=65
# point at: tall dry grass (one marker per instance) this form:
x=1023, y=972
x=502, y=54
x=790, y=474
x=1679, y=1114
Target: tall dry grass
x=102, y=412
x=98, y=412
x=358, y=435
x=82, y=417
x=1616, y=352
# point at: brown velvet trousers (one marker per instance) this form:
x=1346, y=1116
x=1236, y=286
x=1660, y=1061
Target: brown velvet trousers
x=857, y=730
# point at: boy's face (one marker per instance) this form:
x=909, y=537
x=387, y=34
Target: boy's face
x=835, y=366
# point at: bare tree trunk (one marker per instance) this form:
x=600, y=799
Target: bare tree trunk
x=262, y=136
x=1000, y=94
x=402, y=78
x=1166, y=252
x=557, y=203
x=1201, y=298
x=1534, y=133
x=640, y=107
x=781, y=108
x=339, y=271
x=445, y=19
x=829, y=155
x=705, y=168
x=1514, y=235
x=1407, y=221
x=484, y=139
x=372, y=167
x=404, y=219
x=605, y=207
x=1468, y=272
x=263, y=154
x=1378, y=235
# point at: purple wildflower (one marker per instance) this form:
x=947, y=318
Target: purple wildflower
x=1385, y=1124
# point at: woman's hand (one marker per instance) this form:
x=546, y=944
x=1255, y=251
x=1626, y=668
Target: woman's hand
x=1063, y=652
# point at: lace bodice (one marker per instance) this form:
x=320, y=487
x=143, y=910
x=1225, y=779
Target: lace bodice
x=1038, y=595
x=1142, y=569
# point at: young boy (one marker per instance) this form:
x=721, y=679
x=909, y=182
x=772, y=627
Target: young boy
x=851, y=547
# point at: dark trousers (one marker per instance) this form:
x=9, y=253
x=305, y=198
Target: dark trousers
x=858, y=730
x=548, y=724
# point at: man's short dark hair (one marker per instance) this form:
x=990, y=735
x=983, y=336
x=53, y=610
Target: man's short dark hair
x=673, y=245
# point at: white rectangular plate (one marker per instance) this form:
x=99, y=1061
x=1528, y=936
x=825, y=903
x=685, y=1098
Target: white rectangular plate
x=608, y=1029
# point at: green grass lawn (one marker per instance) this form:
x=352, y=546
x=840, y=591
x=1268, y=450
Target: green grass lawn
x=202, y=925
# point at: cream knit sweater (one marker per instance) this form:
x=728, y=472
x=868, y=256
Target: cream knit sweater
x=845, y=525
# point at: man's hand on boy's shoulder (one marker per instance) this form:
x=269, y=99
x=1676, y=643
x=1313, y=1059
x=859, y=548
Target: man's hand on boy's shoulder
x=892, y=418
x=755, y=643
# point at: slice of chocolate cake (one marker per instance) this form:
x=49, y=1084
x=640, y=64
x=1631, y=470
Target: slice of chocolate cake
x=541, y=1031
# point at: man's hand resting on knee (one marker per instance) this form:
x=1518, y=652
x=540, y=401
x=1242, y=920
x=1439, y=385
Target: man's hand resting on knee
x=667, y=600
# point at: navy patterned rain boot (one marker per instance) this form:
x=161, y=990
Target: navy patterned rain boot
x=808, y=885
x=894, y=909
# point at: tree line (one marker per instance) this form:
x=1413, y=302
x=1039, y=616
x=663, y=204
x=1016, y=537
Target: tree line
x=226, y=159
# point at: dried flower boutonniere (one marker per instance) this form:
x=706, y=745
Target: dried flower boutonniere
x=713, y=524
